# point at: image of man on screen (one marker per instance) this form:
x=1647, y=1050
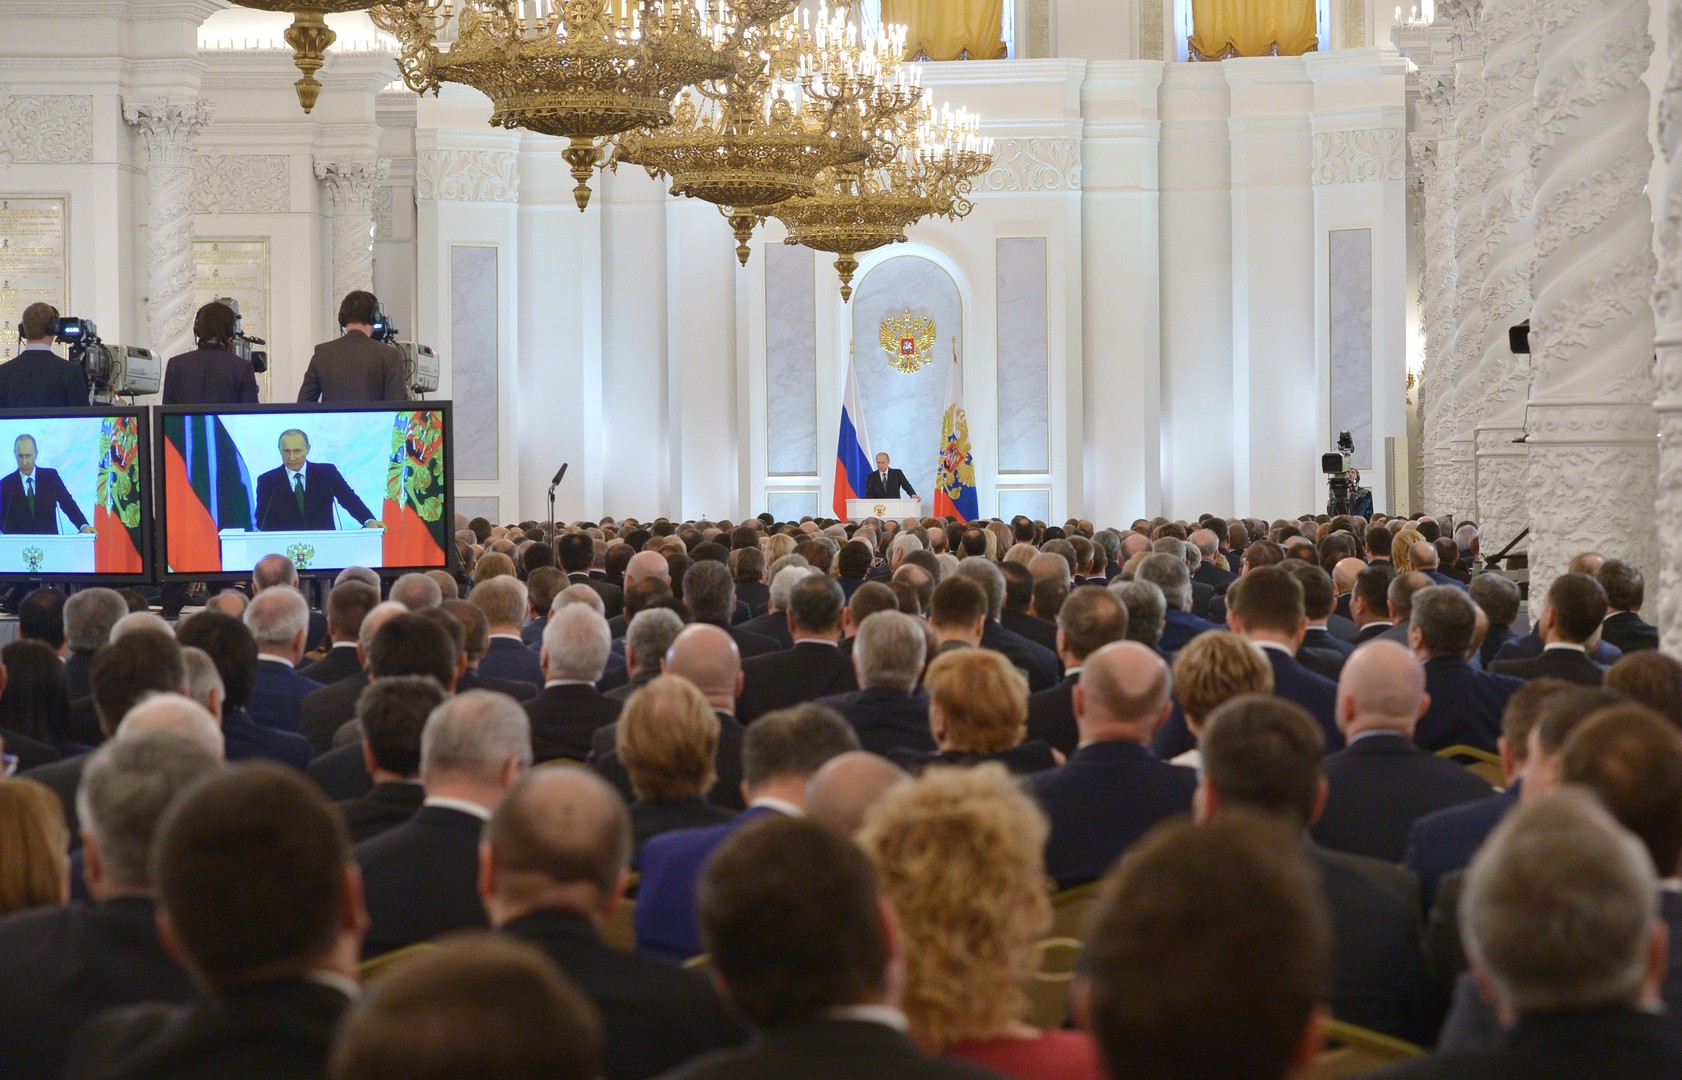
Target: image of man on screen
x=31, y=497
x=300, y=495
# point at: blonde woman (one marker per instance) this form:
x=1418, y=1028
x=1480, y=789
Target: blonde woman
x=34, y=847
x=667, y=738
x=1211, y=670
x=978, y=712
x=492, y=564
x=960, y=854
x=1400, y=544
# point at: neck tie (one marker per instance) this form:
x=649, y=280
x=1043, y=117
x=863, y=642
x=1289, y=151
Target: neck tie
x=29, y=493
x=298, y=490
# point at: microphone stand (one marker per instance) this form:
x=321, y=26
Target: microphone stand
x=553, y=484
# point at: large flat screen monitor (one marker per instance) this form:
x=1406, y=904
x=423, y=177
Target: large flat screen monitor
x=75, y=495
x=328, y=487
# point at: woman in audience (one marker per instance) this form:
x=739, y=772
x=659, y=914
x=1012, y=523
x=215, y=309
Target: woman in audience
x=1401, y=548
x=978, y=712
x=747, y=568
x=667, y=739
x=960, y=853
x=34, y=847
x=777, y=546
x=1210, y=671
x=492, y=564
x=36, y=701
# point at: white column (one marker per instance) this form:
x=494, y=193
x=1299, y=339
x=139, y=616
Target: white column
x=1593, y=455
x=1469, y=251
x=1667, y=305
x=1503, y=378
x=353, y=185
x=1436, y=376
x=168, y=127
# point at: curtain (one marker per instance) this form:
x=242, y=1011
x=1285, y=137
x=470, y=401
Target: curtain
x=950, y=29
x=1223, y=28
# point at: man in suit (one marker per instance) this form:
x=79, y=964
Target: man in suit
x=323, y=712
x=1499, y=598
x=649, y=566
x=347, y=605
x=88, y=618
x=569, y=711
x=774, y=623
x=1423, y=555
x=1265, y=606
x=1576, y=606
x=392, y=712
x=542, y=586
x=1202, y=593
x=503, y=600
x=1369, y=602
x=1090, y=619
x=1625, y=591
x=211, y=374
x=32, y=496
x=1382, y=783
x=888, y=712
x=1264, y=754
x=645, y=649
x=710, y=591
x=814, y=667
x=1581, y=1004
x=232, y=651
x=887, y=483
x=794, y=922
x=1207, y=572
x=1466, y=703
x=67, y=963
x=301, y=495
x=1036, y=661
x=279, y=620
x=356, y=368
x=779, y=755
x=422, y=876
x=37, y=377
x=1318, y=598
x=576, y=551
x=475, y=641
x=1113, y=789
x=1019, y=597
x=554, y=870
x=1168, y=573
x=258, y=901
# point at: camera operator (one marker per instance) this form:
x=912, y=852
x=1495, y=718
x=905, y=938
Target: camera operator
x=355, y=367
x=211, y=374
x=37, y=377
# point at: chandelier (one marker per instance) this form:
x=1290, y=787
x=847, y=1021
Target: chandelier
x=309, y=35
x=583, y=70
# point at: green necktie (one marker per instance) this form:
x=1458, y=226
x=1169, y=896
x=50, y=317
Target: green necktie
x=298, y=490
x=29, y=493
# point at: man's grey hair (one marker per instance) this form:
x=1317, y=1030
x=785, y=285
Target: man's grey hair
x=650, y=635
x=578, y=594
x=502, y=599
x=476, y=732
x=203, y=680
x=784, y=562
x=126, y=788
x=576, y=642
x=358, y=573
x=1206, y=543
x=889, y=650
x=1194, y=557
x=904, y=543
x=785, y=580
x=990, y=578
x=1170, y=575
x=277, y=616
x=141, y=622
x=272, y=570
x=1146, y=608
x=1465, y=534
x=1446, y=619
x=1497, y=595
x=178, y=715
x=377, y=616
x=1559, y=907
x=89, y=616
x=710, y=591
x=417, y=592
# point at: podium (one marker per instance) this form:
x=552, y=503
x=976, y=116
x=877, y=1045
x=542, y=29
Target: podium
x=886, y=509
x=309, y=549
x=71, y=553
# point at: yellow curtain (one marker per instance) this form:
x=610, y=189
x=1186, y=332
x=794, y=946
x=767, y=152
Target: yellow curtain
x=1223, y=28
x=950, y=29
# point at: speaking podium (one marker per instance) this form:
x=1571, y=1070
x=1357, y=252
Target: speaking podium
x=309, y=549
x=71, y=553
x=886, y=509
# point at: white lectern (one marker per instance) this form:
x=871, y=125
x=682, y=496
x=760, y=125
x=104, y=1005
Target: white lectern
x=71, y=553
x=311, y=549
x=886, y=509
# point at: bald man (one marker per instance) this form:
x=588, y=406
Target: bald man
x=1113, y=788
x=843, y=791
x=707, y=656
x=176, y=714
x=1381, y=783
x=553, y=870
x=1344, y=574
x=644, y=564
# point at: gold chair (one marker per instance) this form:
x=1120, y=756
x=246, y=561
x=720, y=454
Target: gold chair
x=376, y=966
x=571, y=763
x=702, y=963
x=1048, y=987
x=1357, y=1051
x=1069, y=909
x=1481, y=762
x=620, y=931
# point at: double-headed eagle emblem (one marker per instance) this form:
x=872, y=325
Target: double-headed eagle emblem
x=908, y=341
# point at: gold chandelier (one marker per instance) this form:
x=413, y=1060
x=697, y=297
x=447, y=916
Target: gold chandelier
x=584, y=70
x=309, y=35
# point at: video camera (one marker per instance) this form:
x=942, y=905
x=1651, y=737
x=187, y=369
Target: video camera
x=240, y=343
x=420, y=366
x=1336, y=467
x=113, y=370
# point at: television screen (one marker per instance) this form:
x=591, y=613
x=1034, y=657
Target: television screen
x=75, y=495
x=330, y=487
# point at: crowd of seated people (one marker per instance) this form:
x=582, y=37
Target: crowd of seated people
x=733, y=799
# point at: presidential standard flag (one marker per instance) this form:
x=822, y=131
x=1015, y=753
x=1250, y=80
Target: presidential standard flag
x=414, y=491
x=954, y=494
x=852, y=451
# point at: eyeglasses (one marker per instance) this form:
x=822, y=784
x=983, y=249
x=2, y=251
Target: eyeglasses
x=8, y=764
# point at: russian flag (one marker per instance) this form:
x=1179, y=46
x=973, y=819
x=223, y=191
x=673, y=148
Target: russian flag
x=852, y=450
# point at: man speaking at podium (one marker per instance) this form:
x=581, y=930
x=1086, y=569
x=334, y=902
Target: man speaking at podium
x=299, y=496
x=31, y=497
x=886, y=483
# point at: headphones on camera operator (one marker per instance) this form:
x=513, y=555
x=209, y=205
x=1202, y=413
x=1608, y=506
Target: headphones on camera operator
x=362, y=303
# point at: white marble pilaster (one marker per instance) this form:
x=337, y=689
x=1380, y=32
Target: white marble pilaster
x=791, y=372
x=1470, y=231
x=353, y=185
x=168, y=127
x=1667, y=307
x=1024, y=406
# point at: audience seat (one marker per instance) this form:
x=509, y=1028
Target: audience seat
x=1485, y=764
x=1358, y=1051
x=373, y=968
x=620, y=931
x=1069, y=909
x=1048, y=987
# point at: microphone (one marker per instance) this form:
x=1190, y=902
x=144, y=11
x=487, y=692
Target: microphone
x=556, y=482
x=264, y=519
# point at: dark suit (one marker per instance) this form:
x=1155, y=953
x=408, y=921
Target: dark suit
x=1024, y=759
x=1444, y=841
x=651, y=818
x=38, y=378
x=655, y=1017
x=1040, y=663
x=506, y=658
x=355, y=368
x=613, y=598
x=1593, y=1044
x=31, y=753
x=387, y=806
x=671, y=868
x=421, y=879
x=209, y=377
x=1445, y=579
x=772, y=624
x=1214, y=577
x=1202, y=596
x=1039, y=631
x=563, y=718
x=22, y=516
x=810, y=670
x=279, y=1030
x=1323, y=640
x=323, y=712
x=1179, y=628
x=1379, y=786
x=76, y=667
x=1341, y=628
x=1326, y=663
x=1629, y=632
x=245, y=739
x=341, y=773
x=1051, y=715
x=886, y=719
x=64, y=777
x=340, y=663
x=1493, y=643
x=324, y=485
x=278, y=694
x=821, y=1049
x=755, y=594
x=65, y=965
x=727, y=792
x=1373, y=630
x=1377, y=977
x=641, y=679
x=471, y=679
x=1316, y=693
x=1106, y=797
x=895, y=486
x=1572, y=665
x=532, y=632
x=1466, y=705
x=749, y=644
x=1530, y=646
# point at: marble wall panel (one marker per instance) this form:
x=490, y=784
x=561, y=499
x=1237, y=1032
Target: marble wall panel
x=792, y=505
x=487, y=507
x=474, y=345
x=1350, y=265
x=1024, y=396
x=902, y=412
x=1031, y=502
x=791, y=373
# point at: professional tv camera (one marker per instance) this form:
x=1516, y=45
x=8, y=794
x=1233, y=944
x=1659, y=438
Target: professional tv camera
x=113, y=371
x=241, y=342
x=420, y=366
x=1335, y=465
